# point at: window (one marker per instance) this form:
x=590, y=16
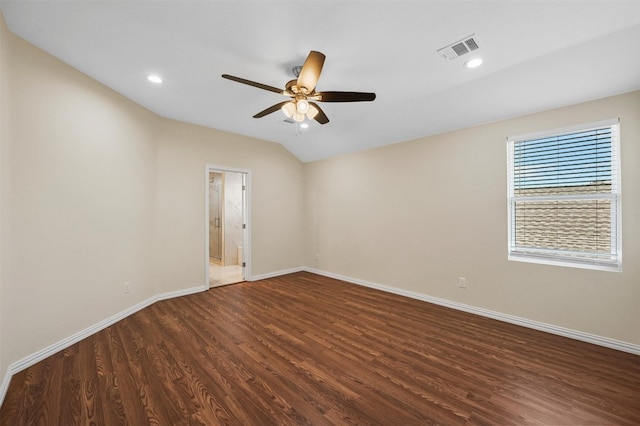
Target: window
x=564, y=197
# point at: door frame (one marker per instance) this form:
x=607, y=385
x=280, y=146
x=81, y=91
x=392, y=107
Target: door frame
x=246, y=245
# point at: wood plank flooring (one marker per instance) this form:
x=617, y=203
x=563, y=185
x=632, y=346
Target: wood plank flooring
x=308, y=350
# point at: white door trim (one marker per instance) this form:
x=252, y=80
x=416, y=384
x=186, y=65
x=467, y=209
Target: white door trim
x=246, y=248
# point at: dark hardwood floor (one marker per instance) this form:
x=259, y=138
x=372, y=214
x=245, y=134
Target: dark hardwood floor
x=305, y=349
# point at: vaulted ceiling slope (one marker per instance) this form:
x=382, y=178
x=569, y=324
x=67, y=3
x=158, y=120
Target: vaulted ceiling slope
x=537, y=55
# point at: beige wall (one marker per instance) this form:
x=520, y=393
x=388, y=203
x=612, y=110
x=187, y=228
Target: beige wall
x=98, y=191
x=276, y=201
x=4, y=118
x=420, y=214
x=77, y=203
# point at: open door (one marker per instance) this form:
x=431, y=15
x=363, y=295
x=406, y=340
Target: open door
x=227, y=222
x=216, y=200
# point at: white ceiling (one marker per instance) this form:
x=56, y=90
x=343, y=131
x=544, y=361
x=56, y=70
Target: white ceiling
x=537, y=55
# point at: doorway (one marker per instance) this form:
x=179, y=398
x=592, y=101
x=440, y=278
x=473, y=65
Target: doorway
x=227, y=226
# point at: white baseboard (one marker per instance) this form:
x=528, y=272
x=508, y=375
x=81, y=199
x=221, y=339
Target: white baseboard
x=277, y=273
x=536, y=325
x=5, y=384
x=83, y=334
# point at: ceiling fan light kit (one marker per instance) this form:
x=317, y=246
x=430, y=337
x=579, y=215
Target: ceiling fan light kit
x=291, y=110
x=302, y=91
x=302, y=106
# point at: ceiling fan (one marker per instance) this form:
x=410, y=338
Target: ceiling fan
x=302, y=93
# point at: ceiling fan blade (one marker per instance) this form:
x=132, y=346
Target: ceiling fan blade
x=316, y=113
x=311, y=69
x=253, y=83
x=344, y=96
x=271, y=109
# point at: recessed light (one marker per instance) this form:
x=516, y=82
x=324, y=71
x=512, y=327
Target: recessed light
x=473, y=63
x=155, y=79
x=304, y=125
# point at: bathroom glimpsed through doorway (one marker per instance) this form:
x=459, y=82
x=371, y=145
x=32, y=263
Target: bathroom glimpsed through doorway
x=226, y=227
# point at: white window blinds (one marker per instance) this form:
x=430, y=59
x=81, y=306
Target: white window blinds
x=564, y=197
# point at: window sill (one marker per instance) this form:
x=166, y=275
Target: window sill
x=565, y=263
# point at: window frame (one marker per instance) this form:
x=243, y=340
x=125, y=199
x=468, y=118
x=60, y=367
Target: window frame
x=553, y=256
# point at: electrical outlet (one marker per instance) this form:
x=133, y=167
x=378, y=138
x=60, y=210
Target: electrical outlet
x=462, y=282
x=126, y=286
x=317, y=257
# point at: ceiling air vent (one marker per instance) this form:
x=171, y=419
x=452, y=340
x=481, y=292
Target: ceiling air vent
x=459, y=48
